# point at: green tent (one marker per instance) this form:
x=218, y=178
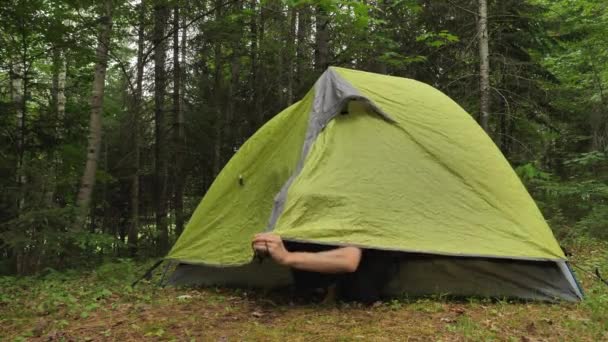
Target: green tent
x=385, y=163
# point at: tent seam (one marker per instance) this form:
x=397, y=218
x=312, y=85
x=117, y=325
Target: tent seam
x=319, y=117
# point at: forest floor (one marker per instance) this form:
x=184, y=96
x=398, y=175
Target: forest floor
x=100, y=305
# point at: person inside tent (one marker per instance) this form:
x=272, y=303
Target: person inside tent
x=348, y=273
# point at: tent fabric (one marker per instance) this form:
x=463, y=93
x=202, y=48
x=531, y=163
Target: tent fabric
x=239, y=202
x=373, y=161
x=332, y=94
x=418, y=276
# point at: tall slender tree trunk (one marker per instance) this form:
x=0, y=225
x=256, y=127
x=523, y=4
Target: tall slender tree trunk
x=183, y=65
x=321, y=39
x=597, y=120
x=503, y=109
x=58, y=101
x=484, y=66
x=18, y=88
x=257, y=36
x=60, y=96
x=94, y=141
x=160, y=128
x=235, y=69
x=217, y=88
x=178, y=129
x=302, y=55
x=232, y=128
x=291, y=52
x=253, y=55
x=132, y=235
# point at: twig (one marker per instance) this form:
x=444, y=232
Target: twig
x=463, y=8
x=170, y=34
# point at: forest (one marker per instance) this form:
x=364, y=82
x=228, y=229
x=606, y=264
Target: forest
x=116, y=116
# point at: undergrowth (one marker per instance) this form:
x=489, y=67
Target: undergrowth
x=101, y=304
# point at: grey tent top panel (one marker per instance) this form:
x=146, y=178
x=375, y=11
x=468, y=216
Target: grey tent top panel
x=332, y=95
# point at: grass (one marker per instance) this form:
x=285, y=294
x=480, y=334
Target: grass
x=100, y=305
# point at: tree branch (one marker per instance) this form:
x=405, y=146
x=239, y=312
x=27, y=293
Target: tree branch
x=195, y=19
x=462, y=8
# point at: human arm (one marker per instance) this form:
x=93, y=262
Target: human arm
x=339, y=260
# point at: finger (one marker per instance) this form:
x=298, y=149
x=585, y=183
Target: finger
x=261, y=249
x=259, y=239
x=272, y=243
x=272, y=237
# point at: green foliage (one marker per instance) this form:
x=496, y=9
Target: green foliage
x=45, y=237
x=594, y=223
x=529, y=172
x=397, y=60
x=576, y=203
x=437, y=39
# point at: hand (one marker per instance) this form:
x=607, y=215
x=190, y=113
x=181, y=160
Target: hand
x=272, y=244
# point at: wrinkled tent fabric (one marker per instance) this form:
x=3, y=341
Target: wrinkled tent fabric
x=373, y=161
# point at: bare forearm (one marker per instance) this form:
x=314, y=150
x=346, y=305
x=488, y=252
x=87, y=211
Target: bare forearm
x=342, y=260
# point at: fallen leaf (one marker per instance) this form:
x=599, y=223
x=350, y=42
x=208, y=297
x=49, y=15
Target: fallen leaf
x=54, y=336
x=41, y=324
x=531, y=327
x=257, y=314
x=459, y=311
x=448, y=320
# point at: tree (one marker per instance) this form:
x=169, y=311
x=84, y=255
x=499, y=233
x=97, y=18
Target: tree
x=484, y=66
x=178, y=128
x=321, y=38
x=136, y=111
x=94, y=141
x=160, y=127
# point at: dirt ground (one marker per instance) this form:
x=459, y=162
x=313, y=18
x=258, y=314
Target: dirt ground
x=101, y=306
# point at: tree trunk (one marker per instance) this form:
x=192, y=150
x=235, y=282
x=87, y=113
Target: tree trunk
x=302, y=56
x=160, y=169
x=178, y=129
x=136, y=112
x=321, y=39
x=58, y=101
x=257, y=36
x=60, y=97
x=505, y=127
x=219, y=118
x=232, y=127
x=94, y=140
x=235, y=68
x=253, y=55
x=597, y=120
x=484, y=66
x=18, y=94
x=291, y=54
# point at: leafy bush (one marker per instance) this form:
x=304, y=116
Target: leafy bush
x=44, y=238
x=576, y=201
